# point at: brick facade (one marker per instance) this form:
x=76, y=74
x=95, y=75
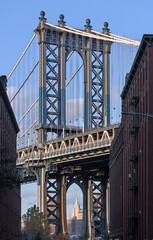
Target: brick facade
x=116, y=185
x=10, y=202
x=137, y=97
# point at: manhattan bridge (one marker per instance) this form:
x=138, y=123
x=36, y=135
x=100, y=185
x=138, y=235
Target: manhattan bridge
x=65, y=92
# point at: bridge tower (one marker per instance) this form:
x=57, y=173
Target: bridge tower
x=55, y=45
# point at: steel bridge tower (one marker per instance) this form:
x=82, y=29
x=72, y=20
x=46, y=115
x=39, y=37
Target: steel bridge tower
x=55, y=46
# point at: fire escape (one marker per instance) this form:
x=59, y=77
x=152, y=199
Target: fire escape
x=133, y=166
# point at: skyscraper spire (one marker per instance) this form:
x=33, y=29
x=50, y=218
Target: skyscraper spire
x=76, y=201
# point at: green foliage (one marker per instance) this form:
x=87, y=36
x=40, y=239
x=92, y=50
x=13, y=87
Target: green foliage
x=35, y=224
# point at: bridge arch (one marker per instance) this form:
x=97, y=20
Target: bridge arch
x=75, y=208
x=79, y=52
x=77, y=182
x=75, y=71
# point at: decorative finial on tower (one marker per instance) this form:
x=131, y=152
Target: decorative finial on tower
x=42, y=18
x=88, y=27
x=61, y=22
x=106, y=29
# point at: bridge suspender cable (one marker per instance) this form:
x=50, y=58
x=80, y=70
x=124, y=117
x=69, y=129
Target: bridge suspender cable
x=24, y=81
x=21, y=56
x=28, y=110
x=27, y=129
x=69, y=55
x=74, y=74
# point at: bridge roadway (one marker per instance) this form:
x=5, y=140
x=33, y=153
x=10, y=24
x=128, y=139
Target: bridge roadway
x=88, y=150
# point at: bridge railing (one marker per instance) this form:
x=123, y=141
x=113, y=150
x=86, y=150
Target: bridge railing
x=96, y=139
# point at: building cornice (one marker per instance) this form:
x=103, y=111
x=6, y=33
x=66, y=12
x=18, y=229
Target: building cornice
x=7, y=103
x=147, y=40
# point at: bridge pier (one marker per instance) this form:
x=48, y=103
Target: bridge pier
x=63, y=218
x=41, y=190
x=51, y=200
x=91, y=230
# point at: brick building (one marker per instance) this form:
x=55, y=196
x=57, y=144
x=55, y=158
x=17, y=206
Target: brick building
x=116, y=185
x=137, y=105
x=10, y=202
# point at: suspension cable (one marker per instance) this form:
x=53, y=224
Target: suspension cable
x=128, y=41
x=99, y=36
x=21, y=56
x=124, y=38
x=24, y=81
x=69, y=55
x=27, y=129
x=74, y=74
x=67, y=29
x=31, y=108
x=28, y=110
x=113, y=36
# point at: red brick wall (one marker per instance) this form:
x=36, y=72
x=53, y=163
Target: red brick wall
x=10, y=202
x=138, y=199
x=116, y=186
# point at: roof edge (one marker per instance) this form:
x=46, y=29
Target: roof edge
x=146, y=41
x=4, y=95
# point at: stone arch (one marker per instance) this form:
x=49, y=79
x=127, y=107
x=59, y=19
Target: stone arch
x=75, y=181
x=76, y=209
x=79, y=52
x=75, y=69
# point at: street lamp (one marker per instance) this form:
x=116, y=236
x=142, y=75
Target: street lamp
x=139, y=114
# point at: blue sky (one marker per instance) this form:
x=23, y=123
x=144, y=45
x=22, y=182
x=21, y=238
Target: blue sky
x=19, y=18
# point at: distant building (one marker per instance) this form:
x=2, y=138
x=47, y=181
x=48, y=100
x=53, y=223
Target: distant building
x=134, y=153
x=10, y=201
x=77, y=212
x=75, y=223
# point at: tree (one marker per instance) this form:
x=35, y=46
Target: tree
x=35, y=225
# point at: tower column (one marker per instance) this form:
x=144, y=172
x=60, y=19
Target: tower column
x=90, y=211
x=88, y=81
x=62, y=69
x=41, y=33
x=63, y=217
x=88, y=222
x=106, y=77
x=104, y=218
x=41, y=190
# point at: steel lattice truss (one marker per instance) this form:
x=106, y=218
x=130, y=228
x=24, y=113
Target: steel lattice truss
x=97, y=89
x=80, y=44
x=53, y=202
x=98, y=208
x=52, y=79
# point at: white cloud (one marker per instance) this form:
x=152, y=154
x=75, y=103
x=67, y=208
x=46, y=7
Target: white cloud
x=11, y=91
